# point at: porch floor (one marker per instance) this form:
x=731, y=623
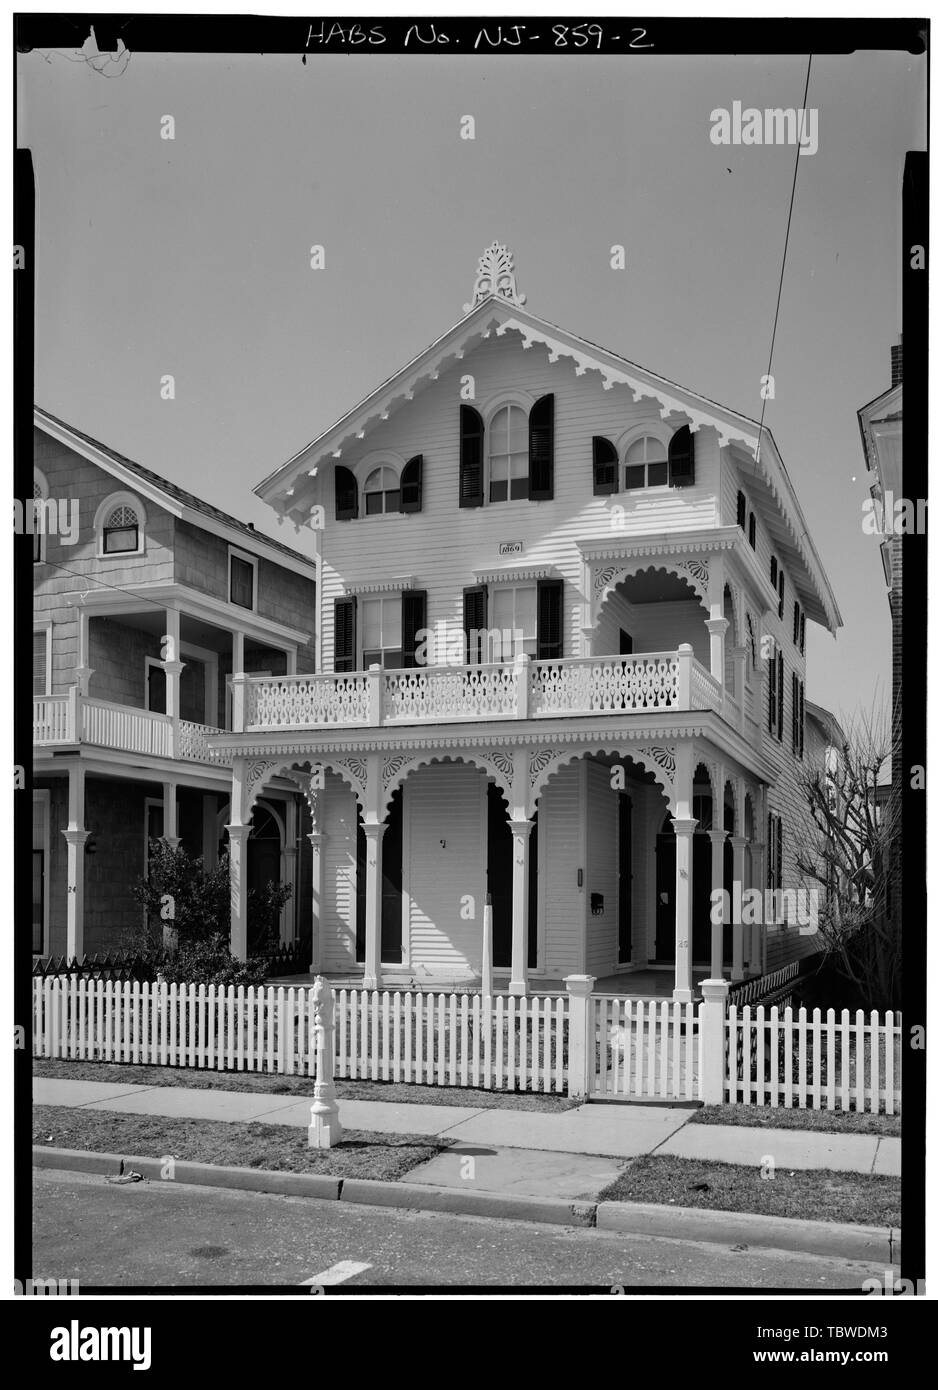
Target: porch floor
x=637, y=984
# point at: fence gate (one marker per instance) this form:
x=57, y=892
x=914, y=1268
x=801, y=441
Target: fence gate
x=645, y=1048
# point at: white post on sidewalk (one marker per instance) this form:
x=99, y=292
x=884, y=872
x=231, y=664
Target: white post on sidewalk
x=580, y=1044
x=324, y=1127
x=713, y=1041
x=487, y=963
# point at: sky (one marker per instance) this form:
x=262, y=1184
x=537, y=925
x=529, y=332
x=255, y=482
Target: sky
x=191, y=256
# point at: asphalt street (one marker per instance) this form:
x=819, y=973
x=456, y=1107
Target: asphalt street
x=169, y=1235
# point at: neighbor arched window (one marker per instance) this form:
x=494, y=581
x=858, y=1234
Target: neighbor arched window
x=40, y=493
x=508, y=455
x=120, y=524
x=382, y=491
x=646, y=463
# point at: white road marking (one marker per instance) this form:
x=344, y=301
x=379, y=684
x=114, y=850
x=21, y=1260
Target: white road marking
x=338, y=1273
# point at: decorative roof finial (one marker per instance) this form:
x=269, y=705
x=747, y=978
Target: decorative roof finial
x=495, y=275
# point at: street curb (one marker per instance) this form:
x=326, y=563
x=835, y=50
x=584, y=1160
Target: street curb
x=869, y=1243
x=557, y=1211
x=833, y=1239
x=201, y=1174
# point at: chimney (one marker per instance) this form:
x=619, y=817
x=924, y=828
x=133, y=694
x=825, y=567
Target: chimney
x=896, y=354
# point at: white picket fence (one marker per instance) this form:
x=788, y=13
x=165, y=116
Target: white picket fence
x=815, y=1061
x=577, y=1043
x=646, y=1049
x=380, y=1035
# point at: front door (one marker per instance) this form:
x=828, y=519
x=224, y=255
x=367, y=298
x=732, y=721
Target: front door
x=499, y=878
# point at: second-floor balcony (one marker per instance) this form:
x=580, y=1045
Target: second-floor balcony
x=644, y=683
x=64, y=720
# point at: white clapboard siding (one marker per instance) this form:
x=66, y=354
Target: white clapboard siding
x=435, y=1039
x=646, y=1047
x=814, y=1060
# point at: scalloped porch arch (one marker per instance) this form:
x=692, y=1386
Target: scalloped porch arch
x=498, y=765
x=258, y=775
x=660, y=760
x=605, y=579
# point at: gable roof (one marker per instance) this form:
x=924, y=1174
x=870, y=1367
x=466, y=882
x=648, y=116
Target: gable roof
x=176, y=500
x=287, y=489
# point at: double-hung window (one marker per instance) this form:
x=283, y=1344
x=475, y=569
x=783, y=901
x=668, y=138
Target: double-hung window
x=382, y=632
x=508, y=455
x=514, y=619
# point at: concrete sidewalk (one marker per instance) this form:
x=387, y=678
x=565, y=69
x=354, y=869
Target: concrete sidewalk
x=612, y=1131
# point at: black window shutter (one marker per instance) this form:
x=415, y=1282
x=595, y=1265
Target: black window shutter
x=346, y=494
x=681, y=458
x=778, y=851
x=781, y=696
x=345, y=635
x=549, y=619
x=474, y=610
x=773, y=572
x=605, y=462
x=412, y=484
x=773, y=662
x=794, y=715
x=471, y=432
x=741, y=510
x=801, y=634
x=781, y=594
x=796, y=622
x=541, y=450
x=413, y=618
x=801, y=720
x=752, y=530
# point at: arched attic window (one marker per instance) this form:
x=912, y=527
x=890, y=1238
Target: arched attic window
x=382, y=491
x=646, y=463
x=120, y=525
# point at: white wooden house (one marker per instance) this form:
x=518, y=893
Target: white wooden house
x=561, y=661
x=140, y=615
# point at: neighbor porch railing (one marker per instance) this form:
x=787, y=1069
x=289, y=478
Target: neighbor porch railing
x=76, y=718
x=648, y=682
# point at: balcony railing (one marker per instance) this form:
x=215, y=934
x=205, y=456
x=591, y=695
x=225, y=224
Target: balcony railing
x=76, y=718
x=646, y=683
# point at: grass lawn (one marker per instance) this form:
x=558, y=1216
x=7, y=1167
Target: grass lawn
x=271, y=1083
x=811, y=1195
x=826, y=1121
x=275, y=1147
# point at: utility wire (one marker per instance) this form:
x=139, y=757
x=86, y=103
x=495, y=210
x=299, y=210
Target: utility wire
x=781, y=278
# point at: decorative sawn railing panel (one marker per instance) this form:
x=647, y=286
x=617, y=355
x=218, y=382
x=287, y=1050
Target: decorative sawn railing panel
x=292, y=702
x=647, y=682
x=601, y=685
x=445, y=692
x=192, y=742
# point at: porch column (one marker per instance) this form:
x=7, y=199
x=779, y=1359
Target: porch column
x=238, y=880
x=76, y=837
x=739, y=876
x=316, y=839
x=170, y=826
x=83, y=671
x=683, y=908
x=757, y=849
x=717, y=840
x=288, y=918
x=520, y=888
x=173, y=668
x=717, y=628
x=374, y=835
